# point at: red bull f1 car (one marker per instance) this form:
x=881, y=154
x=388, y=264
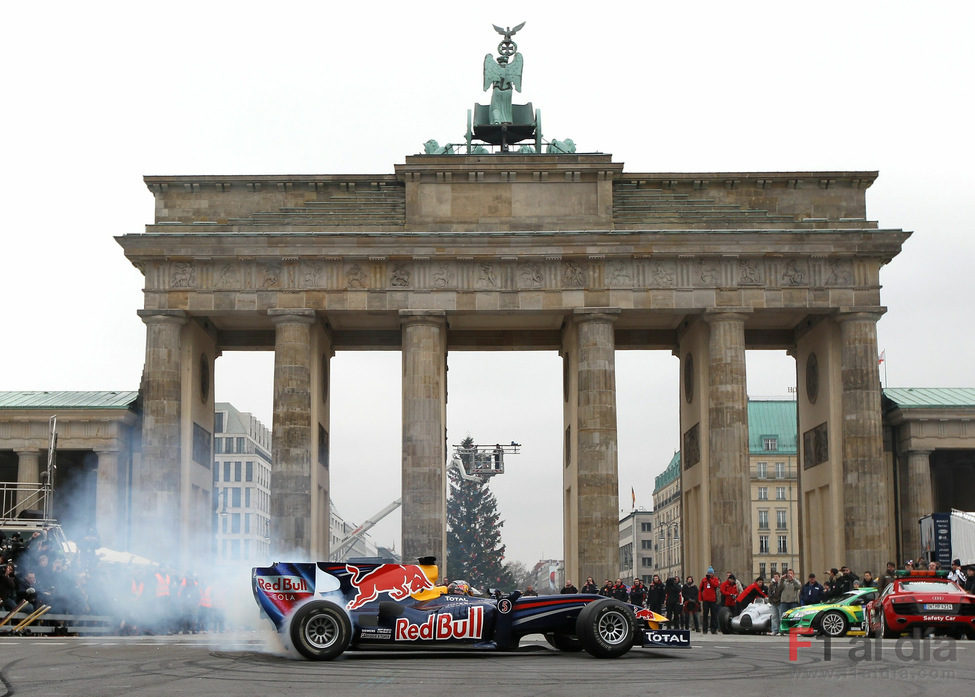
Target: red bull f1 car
x=322, y=609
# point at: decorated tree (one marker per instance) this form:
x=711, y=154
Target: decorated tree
x=474, y=550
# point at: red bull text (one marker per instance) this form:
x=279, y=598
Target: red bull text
x=441, y=627
x=283, y=587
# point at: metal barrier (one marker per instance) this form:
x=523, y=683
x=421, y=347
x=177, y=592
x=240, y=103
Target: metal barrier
x=43, y=621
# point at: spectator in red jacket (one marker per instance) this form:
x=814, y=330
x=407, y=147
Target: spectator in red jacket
x=709, y=601
x=729, y=591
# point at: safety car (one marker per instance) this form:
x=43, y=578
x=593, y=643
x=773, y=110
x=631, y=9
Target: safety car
x=324, y=608
x=922, y=600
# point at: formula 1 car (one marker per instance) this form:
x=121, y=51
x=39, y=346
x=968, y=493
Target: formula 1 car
x=922, y=600
x=324, y=608
x=836, y=618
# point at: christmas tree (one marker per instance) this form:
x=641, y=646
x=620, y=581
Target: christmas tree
x=474, y=550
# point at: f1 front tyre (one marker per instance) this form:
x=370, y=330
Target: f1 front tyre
x=606, y=628
x=321, y=631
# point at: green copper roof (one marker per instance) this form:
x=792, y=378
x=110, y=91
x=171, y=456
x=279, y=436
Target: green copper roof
x=908, y=397
x=773, y=418
x=668, y=475
x=67, y=400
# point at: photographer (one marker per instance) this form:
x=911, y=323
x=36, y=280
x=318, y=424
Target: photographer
x=8, y=587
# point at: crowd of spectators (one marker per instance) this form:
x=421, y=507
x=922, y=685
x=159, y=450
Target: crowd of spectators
x=681, y=603
x=40, y=570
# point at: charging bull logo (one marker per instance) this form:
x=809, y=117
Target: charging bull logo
x=649, y=615
x=399, y=580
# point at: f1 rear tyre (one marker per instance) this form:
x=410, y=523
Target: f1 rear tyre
x=606, y=628
x=321, y=631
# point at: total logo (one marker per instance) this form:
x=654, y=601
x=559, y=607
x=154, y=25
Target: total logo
x=283, y=587
x=442, y=626
x=666, y=638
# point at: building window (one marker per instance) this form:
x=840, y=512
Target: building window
x=783, y=544
x=216, y=471
x=770, y=443
x=240, y=446
x=228, y=445
x=218, y=445
x=247, y=497
x=780, y=522
x=646, y=527
x=648, y=561
x=235, y=497
x=761, y=569
x=247, y=523
x=763, y=520
x=773, y=566
x=237, y=471
x=763, y=493
x=763, y=544
x=780, y=493
x=218, y=422
x=646, y=544
x=763, y=470
x=250, y=471
x=780, y=470
x=226, y=471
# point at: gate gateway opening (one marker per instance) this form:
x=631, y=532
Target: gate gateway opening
x=526, y=252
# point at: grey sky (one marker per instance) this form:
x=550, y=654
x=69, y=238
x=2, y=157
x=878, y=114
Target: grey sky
x=98, y=94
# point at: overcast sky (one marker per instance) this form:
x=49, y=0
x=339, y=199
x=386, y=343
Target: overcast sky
x=98, y=94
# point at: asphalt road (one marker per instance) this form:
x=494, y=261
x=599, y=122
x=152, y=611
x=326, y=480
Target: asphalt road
x=254, y=664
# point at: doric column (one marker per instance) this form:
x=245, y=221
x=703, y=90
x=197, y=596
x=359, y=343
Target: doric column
x=731, y=529
x=107, y=506
x=28, y=477
x=291, y=434
x=597, y=488
x=156, y=503
x=917, y=499
x=865, y=494
x=424, y=421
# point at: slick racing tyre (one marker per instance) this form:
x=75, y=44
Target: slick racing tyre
x=606, y=628
x=833, y=623
x=724, y=620
x=320, y=631
x=569, y=643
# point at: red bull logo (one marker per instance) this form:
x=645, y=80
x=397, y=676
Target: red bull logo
x=441, y=627
x=283, y=587
x=398, y=580
x=645, y=614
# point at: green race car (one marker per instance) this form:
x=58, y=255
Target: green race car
x=838, y=617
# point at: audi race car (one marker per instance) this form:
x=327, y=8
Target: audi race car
x=324, y=608
x=836, y=618
x=922, y=600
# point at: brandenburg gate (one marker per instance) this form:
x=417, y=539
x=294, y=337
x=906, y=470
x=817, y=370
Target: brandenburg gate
x=557, y=251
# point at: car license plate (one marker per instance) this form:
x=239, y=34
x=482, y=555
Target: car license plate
x=938, y=606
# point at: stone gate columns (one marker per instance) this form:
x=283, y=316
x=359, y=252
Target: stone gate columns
x=865, y=514
x=28, y=472
x=917, y=500
x=731, y=529
x=156, y=499
x=107, y=500
x=591, y=508
x=424, y=433
x=291, y=473
x=714, y=445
